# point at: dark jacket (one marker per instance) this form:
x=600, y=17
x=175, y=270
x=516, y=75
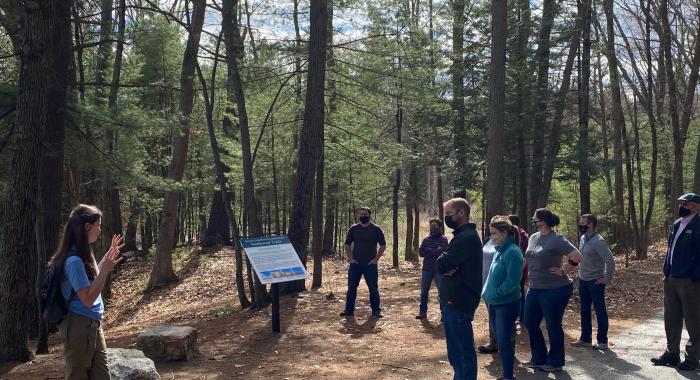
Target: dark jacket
x=462, y=290
x=686, y=254
x=523, y=240
x=430, y=249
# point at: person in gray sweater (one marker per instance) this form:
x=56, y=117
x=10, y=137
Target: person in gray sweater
x=595, y=272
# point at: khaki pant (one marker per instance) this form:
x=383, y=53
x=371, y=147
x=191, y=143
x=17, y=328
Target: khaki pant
x=85, y=350
x=682, y=303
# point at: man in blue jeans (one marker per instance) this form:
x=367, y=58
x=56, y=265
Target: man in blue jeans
x=361, y=251
x=460, y=288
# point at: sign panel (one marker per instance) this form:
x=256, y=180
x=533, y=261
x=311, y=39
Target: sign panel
x=274, y=259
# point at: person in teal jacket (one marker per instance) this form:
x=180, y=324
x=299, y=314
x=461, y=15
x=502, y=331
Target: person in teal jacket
x=501, y=290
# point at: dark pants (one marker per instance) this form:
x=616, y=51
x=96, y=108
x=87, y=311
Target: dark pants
x=460, y=343
x=593, y=294
x=682, y=303
x=549, y=304
x=504, y=317
x=426, y=280
x=355, y=273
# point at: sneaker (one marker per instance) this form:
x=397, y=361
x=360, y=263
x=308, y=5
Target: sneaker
x=551, y=368
x=600, y=346
x=688, y=365
x=530, y=364
x=487, y=349
x=377, y=315
x=667, y=359
x=580, y=343
x=347, y=314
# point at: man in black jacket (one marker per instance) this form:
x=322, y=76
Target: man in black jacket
x=460, y=289
x=682, y=286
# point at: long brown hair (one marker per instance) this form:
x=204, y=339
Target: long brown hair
x=75, y=236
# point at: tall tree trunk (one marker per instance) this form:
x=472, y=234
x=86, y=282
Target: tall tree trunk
x=604, y=129
x=549, y=11
x=618, y=119
x=317, y=223
x=583, y=104
x=522, y=110
x=162, y=273
x=41, y=98
x=409, y=254
x=630, y=190
x=555, y=135
x=309, y=142
x=458, y=108
x=209, y=102
x=495, y=180
x=652, y=125
x=234, y=51
x=440, y=191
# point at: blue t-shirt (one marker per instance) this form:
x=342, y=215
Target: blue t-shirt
x=76, y=278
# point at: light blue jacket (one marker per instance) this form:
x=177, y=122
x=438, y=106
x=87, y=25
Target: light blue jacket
x=503, y=281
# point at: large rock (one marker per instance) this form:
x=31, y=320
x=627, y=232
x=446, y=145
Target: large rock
x=168, y=343
x=126, y=364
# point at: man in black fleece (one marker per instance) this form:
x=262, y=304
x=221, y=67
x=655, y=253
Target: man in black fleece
x=460, y=290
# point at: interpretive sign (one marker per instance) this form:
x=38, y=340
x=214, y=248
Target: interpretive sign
x=274, y=259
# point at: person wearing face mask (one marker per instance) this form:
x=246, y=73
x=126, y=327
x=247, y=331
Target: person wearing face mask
x=430, y=249
x=361, y=251
x=460, y=288
x=489, y=250
x=682, y=286
x=595, y=273
x=549, y=290
x=502, y=289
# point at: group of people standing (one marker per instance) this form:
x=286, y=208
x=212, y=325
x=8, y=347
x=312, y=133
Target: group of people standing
x=465, y=271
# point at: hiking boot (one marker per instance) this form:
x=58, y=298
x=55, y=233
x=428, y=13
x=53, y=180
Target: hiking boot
x=488, y=348
x=530, y=364
x=551, y=368
x=377, y=315
x=347, y=314
x=580, y=343
x=688, y=365
x=667, y=359
x=421, y=316
x=600, y=346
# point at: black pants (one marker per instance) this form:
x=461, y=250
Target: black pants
x=682, y=303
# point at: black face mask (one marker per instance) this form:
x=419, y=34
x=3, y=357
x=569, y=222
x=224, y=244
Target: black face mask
x=364, y=219
x=450, y=222
x=534, y=226
x=683, y=211
x=583, y=228
x=435, y=231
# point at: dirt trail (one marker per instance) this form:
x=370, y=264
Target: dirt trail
x=315, y=342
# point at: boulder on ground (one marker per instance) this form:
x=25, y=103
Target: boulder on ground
x=126, y=364
x=168, y=343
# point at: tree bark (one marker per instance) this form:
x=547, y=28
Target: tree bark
x=41, y=97
x=162, y=273
x=555, y=134
x=495, y=180
x=583, y=104
x=309, y=140
x=458, y=108
x=549, y=11
x=317, y=228
x=618, y=119
x=234, y=51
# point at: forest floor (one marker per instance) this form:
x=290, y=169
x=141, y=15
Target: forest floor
x=315, y=342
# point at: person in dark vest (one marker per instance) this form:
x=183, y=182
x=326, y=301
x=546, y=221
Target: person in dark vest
x=682, y=286
x=460, y=288
x=361, y=251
